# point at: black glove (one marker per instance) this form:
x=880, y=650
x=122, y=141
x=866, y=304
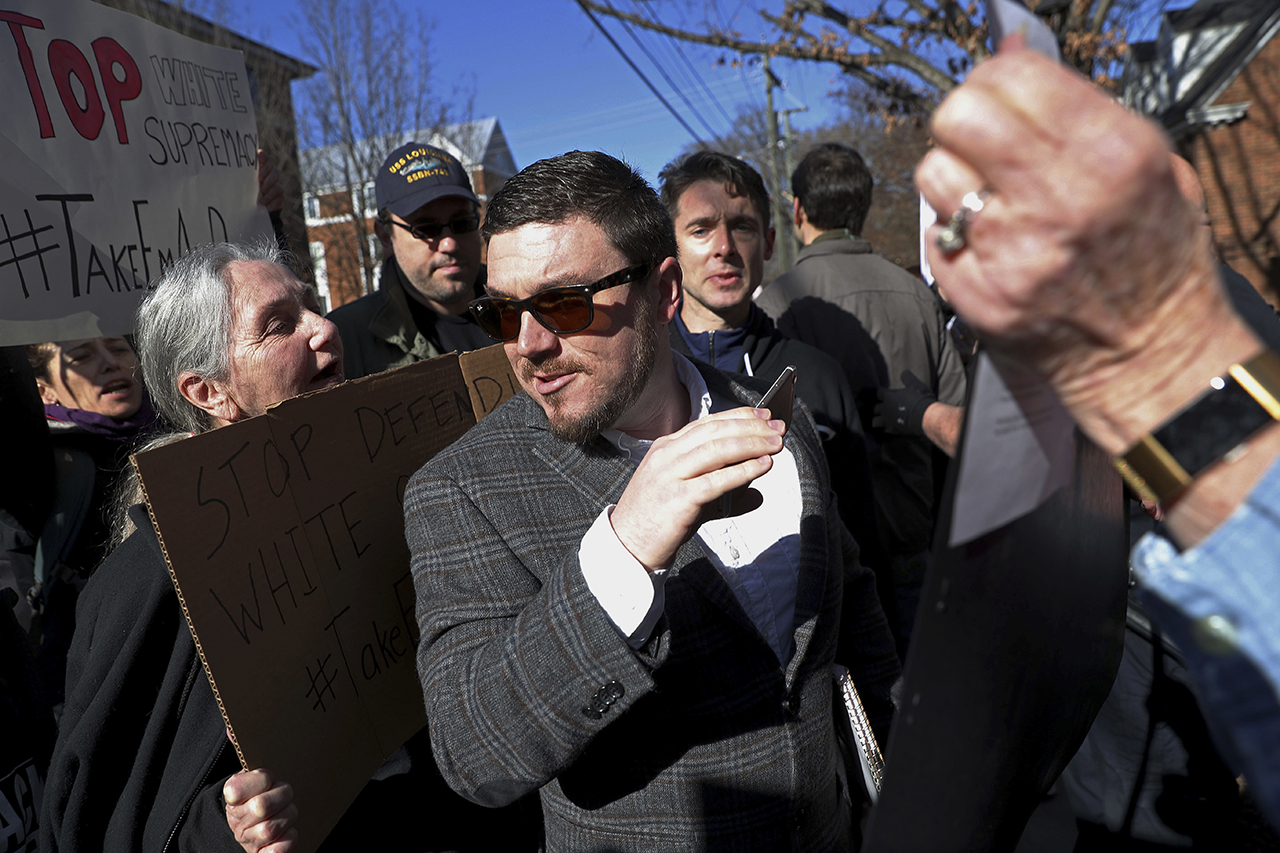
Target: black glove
x=901, y=410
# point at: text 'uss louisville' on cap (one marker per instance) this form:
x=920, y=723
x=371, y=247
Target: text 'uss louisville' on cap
x=416, y=174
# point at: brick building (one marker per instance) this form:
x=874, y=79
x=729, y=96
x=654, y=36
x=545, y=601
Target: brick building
x=1212, y=78
x=341, y=207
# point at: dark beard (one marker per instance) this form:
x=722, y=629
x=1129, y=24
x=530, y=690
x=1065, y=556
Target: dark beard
x=603, y=416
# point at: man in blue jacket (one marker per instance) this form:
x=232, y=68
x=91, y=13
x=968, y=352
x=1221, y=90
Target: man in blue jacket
x=720, y=209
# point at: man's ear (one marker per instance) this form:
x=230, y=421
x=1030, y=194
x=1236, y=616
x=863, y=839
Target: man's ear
x=47, y=395
x=769, y=235
x=670, y=278
x=383, y=232
x=797, y=212
x=210, y=396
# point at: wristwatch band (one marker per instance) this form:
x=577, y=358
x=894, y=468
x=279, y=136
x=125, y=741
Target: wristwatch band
x=1238, y=404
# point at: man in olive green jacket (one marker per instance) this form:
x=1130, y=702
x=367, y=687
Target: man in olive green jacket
x=428, y=222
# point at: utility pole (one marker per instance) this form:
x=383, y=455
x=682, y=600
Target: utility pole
x=785, y=245
x=788, y=163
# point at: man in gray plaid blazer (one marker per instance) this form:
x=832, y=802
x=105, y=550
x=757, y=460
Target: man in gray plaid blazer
x=594, y=624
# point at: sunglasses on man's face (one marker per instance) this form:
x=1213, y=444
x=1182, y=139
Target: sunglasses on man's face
x=433, y=230
x=563, y=310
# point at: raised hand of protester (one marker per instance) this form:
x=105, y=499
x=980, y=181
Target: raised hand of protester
x=1084, y=260
x=260, y=812
x=900, y=411
x=684, y=475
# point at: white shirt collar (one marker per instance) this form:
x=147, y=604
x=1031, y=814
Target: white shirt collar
x=699, y=407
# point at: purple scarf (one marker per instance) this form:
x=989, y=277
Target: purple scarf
x=107, y=427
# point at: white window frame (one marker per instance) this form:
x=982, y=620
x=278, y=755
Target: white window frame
x=321, y=270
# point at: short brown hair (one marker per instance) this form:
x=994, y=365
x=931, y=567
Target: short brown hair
x=833, y=185
x=40, y=356
x=736, y=175
x=594, y=186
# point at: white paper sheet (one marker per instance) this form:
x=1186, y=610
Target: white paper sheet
x=1018, y=450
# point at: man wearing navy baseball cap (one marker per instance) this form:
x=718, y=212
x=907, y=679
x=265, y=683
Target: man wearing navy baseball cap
x=428, y=222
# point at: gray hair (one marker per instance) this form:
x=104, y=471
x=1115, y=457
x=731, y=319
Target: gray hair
x=128, y=490
x=184, y=325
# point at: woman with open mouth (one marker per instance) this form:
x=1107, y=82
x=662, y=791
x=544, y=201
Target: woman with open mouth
x=96, y=408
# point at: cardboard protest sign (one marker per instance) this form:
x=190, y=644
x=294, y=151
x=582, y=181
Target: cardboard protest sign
x=124, y=145
x=285, y=539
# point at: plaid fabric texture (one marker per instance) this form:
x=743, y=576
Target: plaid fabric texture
x=701, y=739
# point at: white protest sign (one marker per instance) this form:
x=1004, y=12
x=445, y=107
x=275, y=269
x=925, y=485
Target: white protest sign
x=124, y=145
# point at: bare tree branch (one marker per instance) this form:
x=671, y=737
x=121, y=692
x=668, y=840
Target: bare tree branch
x=890, y=53
x=372, y=92
x=933, y=41
x=854, y=65
x=1101, y=11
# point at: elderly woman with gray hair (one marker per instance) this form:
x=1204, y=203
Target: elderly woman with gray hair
x=143, y=761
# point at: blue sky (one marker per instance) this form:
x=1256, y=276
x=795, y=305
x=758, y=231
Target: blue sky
x=556, y=84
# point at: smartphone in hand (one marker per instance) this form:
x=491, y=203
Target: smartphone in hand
x=780, y=399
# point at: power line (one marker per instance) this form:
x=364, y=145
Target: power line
x=751, y=91
x=668, y=59
x=665, y=76
x=678, y=49
x=582, y=5
x=621, y=114
x=702, y=83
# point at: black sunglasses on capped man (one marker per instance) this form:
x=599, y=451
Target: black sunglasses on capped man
x=563, y=310
x=433, y=230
